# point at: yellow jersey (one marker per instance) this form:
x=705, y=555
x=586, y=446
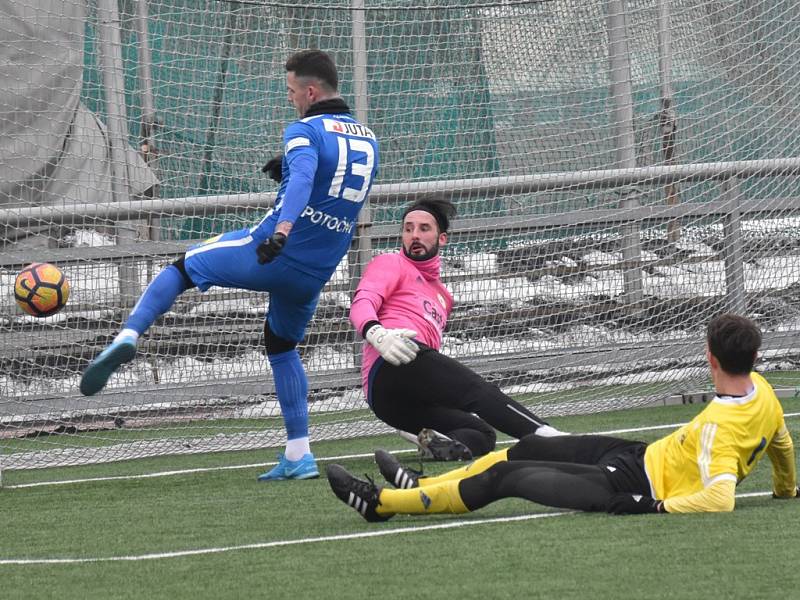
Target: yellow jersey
x=723, y=444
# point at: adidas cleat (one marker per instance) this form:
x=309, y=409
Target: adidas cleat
x=103, y=366
x=305, y=468
x=395, y=473
x=363, y=496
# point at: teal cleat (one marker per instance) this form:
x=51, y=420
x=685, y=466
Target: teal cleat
x=305, y=468
x=103, y=366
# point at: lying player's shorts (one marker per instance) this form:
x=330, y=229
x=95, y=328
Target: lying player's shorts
x=621, y=460
x=230, y=260
x=625, y=471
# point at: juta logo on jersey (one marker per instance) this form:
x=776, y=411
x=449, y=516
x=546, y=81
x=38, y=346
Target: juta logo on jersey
x=345, y=128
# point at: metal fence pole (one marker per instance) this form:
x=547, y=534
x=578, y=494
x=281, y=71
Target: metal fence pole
x=111, y=65
x=148, y=126
x=145, y=61
x=622, y=123
x=147, y=147
x=731, y=192
x=108, y=27
x=667, y=119
x=361, y=249
x=390, y=193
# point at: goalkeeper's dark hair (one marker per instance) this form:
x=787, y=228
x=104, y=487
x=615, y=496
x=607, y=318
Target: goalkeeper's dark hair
x=441, y=208
x=316, y=64
x=734, y=341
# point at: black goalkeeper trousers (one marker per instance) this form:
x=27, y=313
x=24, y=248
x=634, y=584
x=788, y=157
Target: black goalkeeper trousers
x=440, y=393
x=577, y=472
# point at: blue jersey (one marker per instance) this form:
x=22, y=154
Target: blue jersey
x=329, y=164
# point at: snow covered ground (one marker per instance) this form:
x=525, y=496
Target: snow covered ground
x=477, y=283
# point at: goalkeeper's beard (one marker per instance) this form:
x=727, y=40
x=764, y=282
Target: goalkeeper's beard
x=425, y=255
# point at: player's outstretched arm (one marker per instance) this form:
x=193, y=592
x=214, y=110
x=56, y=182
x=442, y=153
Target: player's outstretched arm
x=784, y=472
x=720, y=496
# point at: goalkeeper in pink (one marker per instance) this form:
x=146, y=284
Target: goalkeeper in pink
x=401, y=309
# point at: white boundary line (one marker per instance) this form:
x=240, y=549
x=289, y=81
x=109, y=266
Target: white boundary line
x=269, y=464
x=261, y=545
x=312, y=540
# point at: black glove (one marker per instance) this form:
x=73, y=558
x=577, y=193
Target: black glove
x=797, y=495
x=270, y=248
x=274, y=168
x=634, y=504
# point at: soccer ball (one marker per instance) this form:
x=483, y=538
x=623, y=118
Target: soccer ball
x=41, y=289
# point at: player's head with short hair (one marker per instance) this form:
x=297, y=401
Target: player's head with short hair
x=441, y=208
x=425, y=226
x=734, y=341
x=314, y=64
x=310, y=78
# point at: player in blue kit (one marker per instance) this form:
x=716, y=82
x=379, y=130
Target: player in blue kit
x=328, y=165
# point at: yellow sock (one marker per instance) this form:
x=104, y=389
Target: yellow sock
x=438, y=498
x=473, y=468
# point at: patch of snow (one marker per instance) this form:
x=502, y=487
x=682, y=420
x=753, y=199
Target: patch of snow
x=596, y=258
x=88, y=238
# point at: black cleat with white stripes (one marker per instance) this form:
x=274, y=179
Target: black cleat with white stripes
x=361, y=495
x=399, y=476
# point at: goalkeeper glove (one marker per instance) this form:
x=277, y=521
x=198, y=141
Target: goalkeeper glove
x=271, y=247
x=797, y=495
x=274, y=168
x=394, y=345
x=634, y=504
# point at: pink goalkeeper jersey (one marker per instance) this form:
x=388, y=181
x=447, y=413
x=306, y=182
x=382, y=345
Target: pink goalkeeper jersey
x=401, y=293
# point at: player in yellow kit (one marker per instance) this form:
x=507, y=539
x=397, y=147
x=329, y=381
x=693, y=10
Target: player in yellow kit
x=694, y=469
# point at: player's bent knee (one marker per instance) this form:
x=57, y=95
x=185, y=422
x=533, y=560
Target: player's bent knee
x=484, y=441
x=276, y=344
x=490, y=439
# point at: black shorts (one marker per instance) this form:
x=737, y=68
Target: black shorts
x=625, y=470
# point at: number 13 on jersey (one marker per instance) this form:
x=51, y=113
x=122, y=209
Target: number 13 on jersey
x=356, y=161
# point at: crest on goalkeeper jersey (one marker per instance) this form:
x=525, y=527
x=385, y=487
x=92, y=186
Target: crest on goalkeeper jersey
x=41, y=289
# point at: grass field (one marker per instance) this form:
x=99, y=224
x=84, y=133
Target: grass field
x=210, y=530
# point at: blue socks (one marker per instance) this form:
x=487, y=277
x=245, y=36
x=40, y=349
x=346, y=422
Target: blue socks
x=291, y=385
x=157, y=299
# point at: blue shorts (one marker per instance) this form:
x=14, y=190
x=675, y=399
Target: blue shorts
x=230, y=260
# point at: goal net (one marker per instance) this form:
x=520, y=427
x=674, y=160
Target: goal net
x=623, y=171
